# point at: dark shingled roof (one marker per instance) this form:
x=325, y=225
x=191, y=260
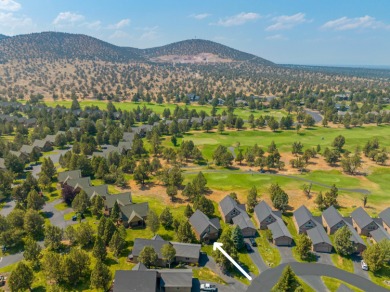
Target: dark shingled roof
x=385, y=216
x=263, y=210
x=135, y=281
x=332, y=216
x=279, y=229
x=243, y=221
x=26, y=149
x=129, y=211
x=188, y=250
x=200, y=222
x=228, y=204
x=380, y=234
x=101, y=191
x=72, y=174
x=361, y=218
x=82, y=182
x=355, y=238
x=139, y=267
x=140, y=243
x=123, y=199
x=318, y=235
x=176, y=278
x=302, y=215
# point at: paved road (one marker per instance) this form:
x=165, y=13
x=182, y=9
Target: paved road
x=7, y=208
x=361, y=191
x=55, y=216
x=13, y=258
x=266, y=280
x=55, y=157
x=358, y=267
x=316, y=115
x=257, y=259
x=315, y=282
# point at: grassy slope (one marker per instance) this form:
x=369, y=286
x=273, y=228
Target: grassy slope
x=333, y=284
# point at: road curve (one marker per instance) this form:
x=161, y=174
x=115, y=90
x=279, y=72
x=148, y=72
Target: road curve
x=360, y=191
x=316, y=115
x=266, y=280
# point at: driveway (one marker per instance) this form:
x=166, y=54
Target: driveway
x=55, y=157
x=7, y=208
x=358, y=268
x=316, y=115
x=286, y=254
x=266, y=280
x=55, y=216
x=221, y=288
x=256, y=258
x=13, y=258
x=323, y=258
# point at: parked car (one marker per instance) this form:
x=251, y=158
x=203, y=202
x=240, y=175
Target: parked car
x=248, y=247
x=208, y=287
x=364, y=266
x=253, y=242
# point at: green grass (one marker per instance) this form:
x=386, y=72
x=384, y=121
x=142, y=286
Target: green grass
x=305, y=286
x=241, y=112
x=333, y=284
x=61, y=206
x=206, y=274
x=268, y=252
x=341, y=262
x=380, y=276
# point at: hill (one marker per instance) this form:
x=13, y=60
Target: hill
x=2, y=37
x=58, y=45
x=206, y=51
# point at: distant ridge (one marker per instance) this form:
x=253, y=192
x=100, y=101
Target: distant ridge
x=2, y=36
x=58, y=45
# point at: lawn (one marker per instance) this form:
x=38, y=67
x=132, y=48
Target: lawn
x=268, y=252
x=341, y=262
x=241, y=112
x=380, y=276
x=206, y=274
x=333, y=284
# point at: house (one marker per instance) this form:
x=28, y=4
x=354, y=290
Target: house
x=27, y=149
x=21, y=155
x=187, y=253
x=122, y=199
x=204, y=228
x=43, y=145
x=362, y=222
x=2, y=163
x=303, y=219
x=357, y=241
x=124, y=146
x=332, y=220
x=158, y=280
x=64, y=176
x=280, y=234
x=79, y=184
x=135, y=281
x=264, y=215
x=134, y=215
x=229, y=208
x=245, y=223
x=101, y=191
x=385, y=216
x=379, y=234
x=320, y=240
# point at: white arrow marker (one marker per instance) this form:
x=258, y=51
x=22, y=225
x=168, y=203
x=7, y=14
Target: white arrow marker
x=218, y=245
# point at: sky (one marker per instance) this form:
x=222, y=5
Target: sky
x=308, y=32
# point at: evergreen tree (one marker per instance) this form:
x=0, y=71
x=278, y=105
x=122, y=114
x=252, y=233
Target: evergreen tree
x=101, y=226
x=84, y=235
x=115, y=212
x=21, y=278
x=32, y=251
x=99, y=250
x=319, y=201
x=199, y=184
x=374, y=257
x=48, y=168
x=97, y=205
x=237, y=238
x=342, y=241
x=100, y=276
x=303, y=246
x=166, y=218
x=35, y=201
x=288, y=281
x=117, y=243
x=228, y=246
x=168, y=253
x=184, y=232
x=53, y=237
x=52, y=266
x=109, y=229
x=33, y=223
x=188, y=211
x=148, y=256
x=152, y=221
x=205, y=205
x=81, y=202
x=252, y=199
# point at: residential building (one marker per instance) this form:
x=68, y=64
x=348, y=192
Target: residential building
x=205, y=229
x=134, y=215
x=357, y=241
x=303, y=219
x=79, y=184
x=135, y=281
x=43, y=145
x=379, y=234
x=101, y=190
x=385, y=216
x=264, y=215
x=64, y=176
x=245, y=223
x=229, y=208
x=122, y=199
x=332, y=220
x=320, y=240
x=362, y=222
x=280, y=234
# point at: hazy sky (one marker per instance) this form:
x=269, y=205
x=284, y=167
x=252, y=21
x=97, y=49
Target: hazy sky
x=330, y=32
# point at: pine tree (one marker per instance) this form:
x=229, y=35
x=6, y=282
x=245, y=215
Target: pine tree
x=148, y=256
x=342, y=241
x=117, y=243
x=184, y=232
x=115, y=211
x=109, y=229
x=99, y=250
x=303, y=246
x=168, y=253
x=101, y=226
x=152, y=222
x=81, y=202
x=319, y=201
x=21, y=278
x=188, y=211
x=205, y=205
x=252, y=199
x=35, y=201
x=237, y=238
x=32, y=251
x=199, y=183
x=97, y=205
x=374, y=257
x=100, y=276
x=166, y=218
x=288, y=281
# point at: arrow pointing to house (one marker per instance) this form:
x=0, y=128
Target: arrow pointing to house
x=218, y=245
